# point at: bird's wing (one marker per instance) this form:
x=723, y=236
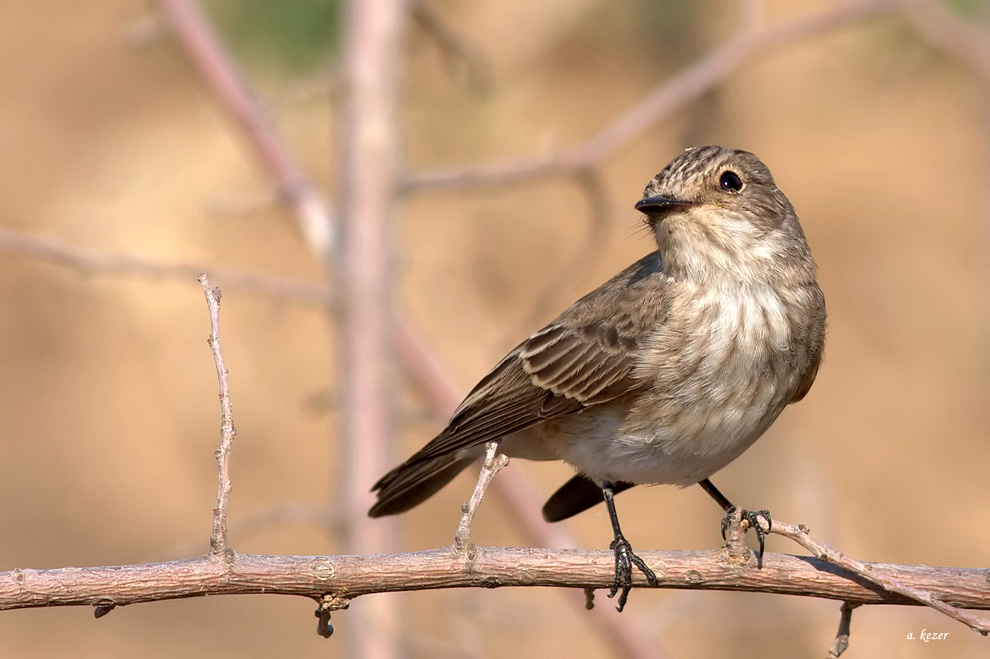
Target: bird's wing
x=816, y=350
x=587, y=356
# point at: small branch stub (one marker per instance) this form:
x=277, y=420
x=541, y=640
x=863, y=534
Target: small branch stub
x=103, y=607
x=841, y=641
x=326, y=604
x=492, y=465
x=218, y=538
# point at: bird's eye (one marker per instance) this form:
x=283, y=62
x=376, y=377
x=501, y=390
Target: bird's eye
x=730, y=181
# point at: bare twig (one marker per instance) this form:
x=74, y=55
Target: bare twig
x=841, y=641
x=460, y=55
x=348, y=577
x=491, y=465
x=228, y=84
x=749, y=41
x=93, y=262
x=218, y=539
x=799, y=534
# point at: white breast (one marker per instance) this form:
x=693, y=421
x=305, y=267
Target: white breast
x=721, y=372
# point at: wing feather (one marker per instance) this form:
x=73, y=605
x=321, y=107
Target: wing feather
x=587, y=356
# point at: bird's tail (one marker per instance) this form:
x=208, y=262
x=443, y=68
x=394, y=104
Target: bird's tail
x=412, y=483
x=576, y=495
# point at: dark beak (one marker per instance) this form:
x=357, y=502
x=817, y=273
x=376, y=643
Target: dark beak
x=658, y=205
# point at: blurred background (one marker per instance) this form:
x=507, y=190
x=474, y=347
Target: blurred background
x=110, y=140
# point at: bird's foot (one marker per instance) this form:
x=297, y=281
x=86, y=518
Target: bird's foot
x=752, y=518
x=624, y=561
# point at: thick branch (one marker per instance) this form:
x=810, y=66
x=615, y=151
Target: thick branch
x=371, y=144
x=347, y=577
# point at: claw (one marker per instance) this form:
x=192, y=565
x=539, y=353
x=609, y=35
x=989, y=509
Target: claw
x=753, y=519
x=624, y=561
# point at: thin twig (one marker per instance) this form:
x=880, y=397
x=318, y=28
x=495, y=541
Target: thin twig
x=841, y=641
x=491, y=465
x=799, y=534
x=94, y=262
x=459, y=54
x=748, y=42
x=218, y=539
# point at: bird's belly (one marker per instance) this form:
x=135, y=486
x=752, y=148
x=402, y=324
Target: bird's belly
x=607, y=450
x=674, y=440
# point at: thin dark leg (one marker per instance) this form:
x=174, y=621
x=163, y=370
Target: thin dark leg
x=713, y=492
x=624, y=556
x=753, y=517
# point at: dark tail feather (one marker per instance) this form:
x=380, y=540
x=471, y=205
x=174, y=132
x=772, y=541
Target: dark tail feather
x=577, y=495
x=409, y=485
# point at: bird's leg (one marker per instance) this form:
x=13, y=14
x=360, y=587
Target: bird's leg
x=624, y=556
x=752, y=517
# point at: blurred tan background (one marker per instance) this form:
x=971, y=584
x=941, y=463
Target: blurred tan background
x=108, y=408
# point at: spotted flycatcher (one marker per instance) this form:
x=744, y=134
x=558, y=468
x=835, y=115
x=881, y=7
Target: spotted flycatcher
x=664, y=374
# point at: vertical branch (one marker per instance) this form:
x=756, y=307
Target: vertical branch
x=370, y=155
x=371, y=143
x=218, y=538
x=490, y=466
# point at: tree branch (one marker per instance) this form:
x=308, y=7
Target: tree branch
x=94, y=262
x=347, y=577
x=799, y=534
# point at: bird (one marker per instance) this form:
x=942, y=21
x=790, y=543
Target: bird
x=664, y=374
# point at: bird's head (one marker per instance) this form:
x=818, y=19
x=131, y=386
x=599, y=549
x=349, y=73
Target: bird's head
x=717, y=211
